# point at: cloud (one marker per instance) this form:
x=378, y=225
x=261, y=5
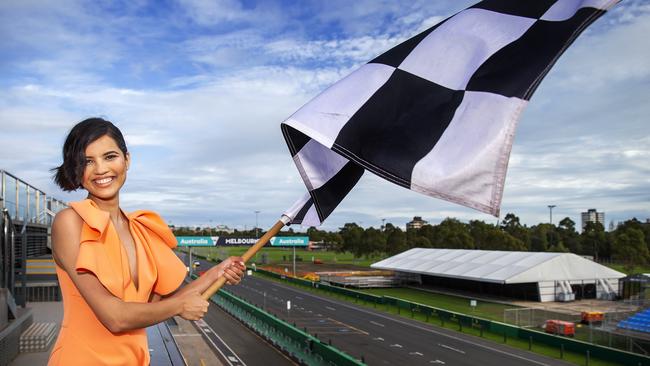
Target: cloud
x=199, y=89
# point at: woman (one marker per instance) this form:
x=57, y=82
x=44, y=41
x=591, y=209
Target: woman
x=117, y=271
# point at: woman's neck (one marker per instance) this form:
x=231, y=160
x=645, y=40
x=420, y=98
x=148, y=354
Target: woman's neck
x=111, y=205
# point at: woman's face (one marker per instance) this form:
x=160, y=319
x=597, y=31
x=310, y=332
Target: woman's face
x=106, y=167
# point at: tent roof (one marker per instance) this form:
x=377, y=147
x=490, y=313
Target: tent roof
x=497, y=266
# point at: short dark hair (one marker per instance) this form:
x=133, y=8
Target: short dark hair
x=68, y=176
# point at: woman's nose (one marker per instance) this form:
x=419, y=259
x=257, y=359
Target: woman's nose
x=100, y=168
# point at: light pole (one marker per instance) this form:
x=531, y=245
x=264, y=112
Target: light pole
x=257, y=235
x=550, y=213
x=383, y=226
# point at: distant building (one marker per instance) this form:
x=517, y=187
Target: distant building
x=225, y=229
x=416, y=223
x=592, y=216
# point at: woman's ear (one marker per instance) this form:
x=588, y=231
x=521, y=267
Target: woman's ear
x=127, y=157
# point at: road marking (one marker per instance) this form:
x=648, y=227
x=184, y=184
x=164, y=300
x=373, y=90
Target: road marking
x=330, y=308
x=378, y=339
x=396, y=345
x=416, y=353
x=232, y=359
x=348, y=326
x=377, y=324
x=188, y=335
x=451, y=348
x=299, y=298
x=438, y=361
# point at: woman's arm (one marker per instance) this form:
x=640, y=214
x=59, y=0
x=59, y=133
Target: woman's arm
x=116, y=314
x=232, y=268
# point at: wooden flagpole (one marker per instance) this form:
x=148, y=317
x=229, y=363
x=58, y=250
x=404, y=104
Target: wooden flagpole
x=248, y=255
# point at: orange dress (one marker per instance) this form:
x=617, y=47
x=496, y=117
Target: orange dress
x=83, y=339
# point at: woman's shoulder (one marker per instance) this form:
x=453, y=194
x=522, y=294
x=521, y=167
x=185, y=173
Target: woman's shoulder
x=67, y=219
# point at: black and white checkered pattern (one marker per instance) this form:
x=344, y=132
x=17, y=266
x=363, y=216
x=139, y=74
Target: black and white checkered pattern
x=437, y=113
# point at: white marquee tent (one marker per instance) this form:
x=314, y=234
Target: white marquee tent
x=554, y=273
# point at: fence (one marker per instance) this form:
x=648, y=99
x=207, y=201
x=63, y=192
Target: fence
x=25, y=202
x=533, y=317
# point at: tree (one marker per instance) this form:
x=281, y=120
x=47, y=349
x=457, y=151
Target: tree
x=453, y=234
x=352, y=235
x=630, y=247
x=593, y=239
x=491, y=237
x=539, y=238
x=395, y=241
x=512, y=226
x=569, y=236
x=373, y=242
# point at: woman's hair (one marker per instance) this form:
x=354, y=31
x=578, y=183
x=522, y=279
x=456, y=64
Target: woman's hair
x=68, y=176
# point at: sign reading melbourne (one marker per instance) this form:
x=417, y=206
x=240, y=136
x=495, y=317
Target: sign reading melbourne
x=211, y=241
x=289, y=241
x=195, y=241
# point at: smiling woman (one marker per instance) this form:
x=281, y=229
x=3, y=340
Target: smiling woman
x=117, y=271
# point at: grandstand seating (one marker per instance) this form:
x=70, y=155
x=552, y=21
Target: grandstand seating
x=639, y=322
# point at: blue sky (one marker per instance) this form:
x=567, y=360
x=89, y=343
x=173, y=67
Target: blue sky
x=199, y=89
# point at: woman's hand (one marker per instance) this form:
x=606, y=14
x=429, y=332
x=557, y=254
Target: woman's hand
x=193, y=306
x=232, y=269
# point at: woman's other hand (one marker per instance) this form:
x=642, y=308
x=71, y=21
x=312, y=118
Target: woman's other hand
x=232, y=269
x=193, y=306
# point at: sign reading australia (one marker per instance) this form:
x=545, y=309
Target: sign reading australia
x=211, y=241
x=195, y=241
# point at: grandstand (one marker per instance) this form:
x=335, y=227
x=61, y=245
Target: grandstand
x=639, y=322
x=533, y=276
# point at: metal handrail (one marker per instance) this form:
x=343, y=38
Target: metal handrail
x=8, y=251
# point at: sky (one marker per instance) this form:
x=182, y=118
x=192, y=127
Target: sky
x=199, y=89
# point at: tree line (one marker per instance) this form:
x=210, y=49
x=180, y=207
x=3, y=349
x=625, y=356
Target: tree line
x=628, y=243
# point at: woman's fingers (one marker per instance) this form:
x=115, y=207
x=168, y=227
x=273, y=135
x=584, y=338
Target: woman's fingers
x=233, y=274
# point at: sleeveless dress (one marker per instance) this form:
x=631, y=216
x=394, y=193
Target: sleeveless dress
x=83, y=339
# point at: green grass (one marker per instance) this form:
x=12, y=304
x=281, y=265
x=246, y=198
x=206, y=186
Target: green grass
x=483, y=309
x=285, y=255
x=629, y=269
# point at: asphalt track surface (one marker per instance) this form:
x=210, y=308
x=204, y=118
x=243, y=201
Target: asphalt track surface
x=233, y=342
x=237, y=345
x=380, y=338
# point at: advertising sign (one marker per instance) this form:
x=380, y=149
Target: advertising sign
x=211, y=241
x=221, y=241
x=195, y=241
x=289, y=241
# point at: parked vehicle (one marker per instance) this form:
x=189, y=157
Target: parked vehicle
x=560, y=327
x=591, y=317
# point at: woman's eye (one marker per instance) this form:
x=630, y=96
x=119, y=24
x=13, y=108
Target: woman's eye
x=88, y=162
x=111, y=157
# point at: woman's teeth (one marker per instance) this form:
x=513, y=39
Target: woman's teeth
x=104, y=180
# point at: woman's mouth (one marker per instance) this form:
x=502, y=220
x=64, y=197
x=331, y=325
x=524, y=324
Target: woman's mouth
x=103, y=182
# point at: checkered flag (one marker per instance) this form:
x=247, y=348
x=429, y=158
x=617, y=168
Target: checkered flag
x=437, y=113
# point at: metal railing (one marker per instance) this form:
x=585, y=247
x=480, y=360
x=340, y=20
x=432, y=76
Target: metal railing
x=7, y=251
x=25, y=202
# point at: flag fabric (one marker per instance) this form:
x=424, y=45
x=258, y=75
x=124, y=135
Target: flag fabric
x=437, y=113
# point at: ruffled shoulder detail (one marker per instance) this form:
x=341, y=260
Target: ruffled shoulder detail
x=167, y=270
x=99, y=253
x=153, y=222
